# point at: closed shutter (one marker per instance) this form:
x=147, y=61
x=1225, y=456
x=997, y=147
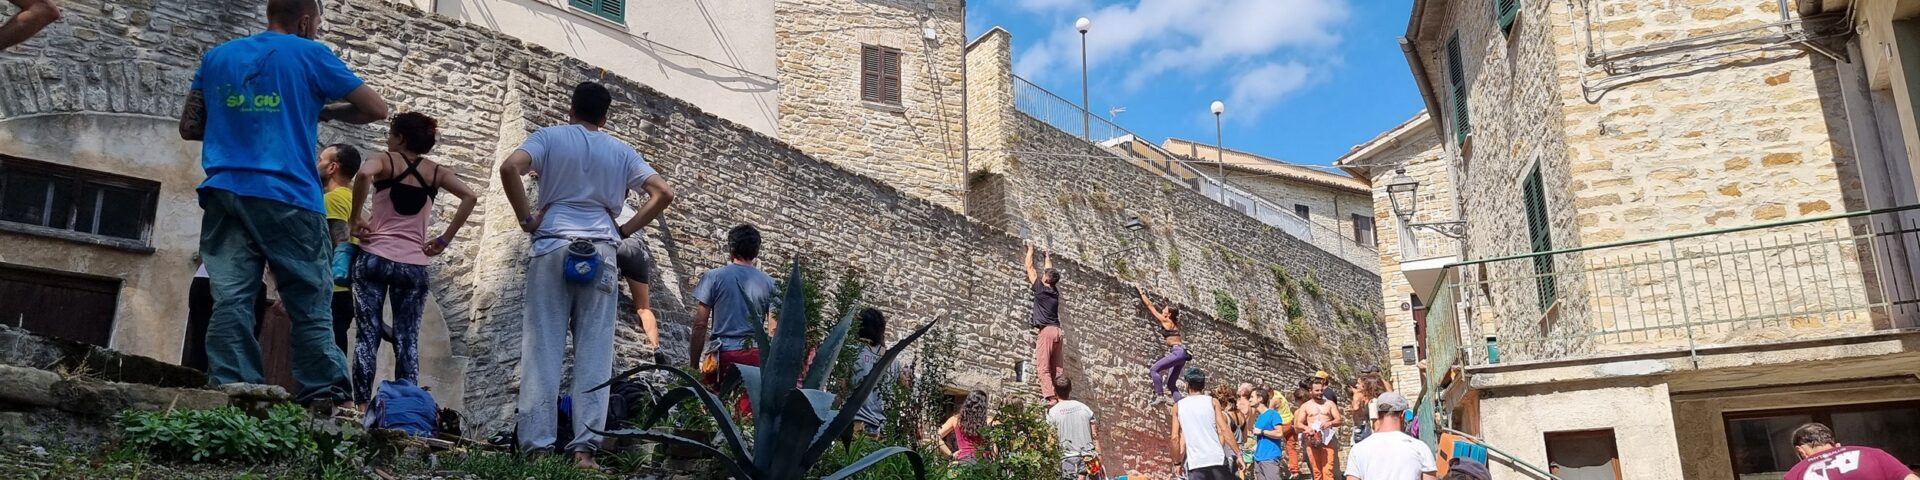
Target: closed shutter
x=1457, y=79
x=1540, y=236
x=615, y=10
x=60, y=305
x=870, y=77
x=890, y=76
x=1505, y=11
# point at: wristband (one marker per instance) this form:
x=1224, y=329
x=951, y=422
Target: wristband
x=442, y=241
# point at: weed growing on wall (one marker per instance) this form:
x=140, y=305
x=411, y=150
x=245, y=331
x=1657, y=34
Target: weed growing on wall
x=1173, y=257
x=1225, y=308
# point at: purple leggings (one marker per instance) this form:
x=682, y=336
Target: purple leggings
x=1167, y=368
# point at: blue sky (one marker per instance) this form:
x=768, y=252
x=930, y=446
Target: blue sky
x=1303, y=80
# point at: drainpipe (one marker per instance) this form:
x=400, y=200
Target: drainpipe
x=1420, y=79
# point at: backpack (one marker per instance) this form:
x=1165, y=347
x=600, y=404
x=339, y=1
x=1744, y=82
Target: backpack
x=401, y=405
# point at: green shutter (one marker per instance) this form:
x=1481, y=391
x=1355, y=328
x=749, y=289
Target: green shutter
x=1505, y=11
x=615, y=10
x=1540, y=236
x=1457, y=79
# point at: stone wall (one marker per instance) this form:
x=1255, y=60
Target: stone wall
x=916, y=146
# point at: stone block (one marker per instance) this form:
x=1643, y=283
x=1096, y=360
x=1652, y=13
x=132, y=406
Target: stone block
x=1778, y=159
x=1769, y=212
x=28, y=386
x=1815, y=206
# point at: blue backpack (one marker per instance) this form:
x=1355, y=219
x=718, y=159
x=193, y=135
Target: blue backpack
x=403, y=406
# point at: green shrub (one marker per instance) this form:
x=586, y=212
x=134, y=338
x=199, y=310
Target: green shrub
x=1225, y=309
x=1173, y=257
x=1297, y=329
x=1023, y=443
x=1311, y=285
x=220, y=435
x=1281, y=280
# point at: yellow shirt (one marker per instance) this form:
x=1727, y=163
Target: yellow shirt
x=340, y=207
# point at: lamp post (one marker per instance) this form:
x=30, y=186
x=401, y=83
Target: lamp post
x=1086, y=122
x=1219, y=148
x=1404, y=193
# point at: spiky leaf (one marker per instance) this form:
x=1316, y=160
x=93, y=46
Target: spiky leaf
x=858, y=397
x=729, y=431
x=913, y=457
x=798, y=418
x=829, y=351
x=738, y=466
x=672, y=397
x=781, y=364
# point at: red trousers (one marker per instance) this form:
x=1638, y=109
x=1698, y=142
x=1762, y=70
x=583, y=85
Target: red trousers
x=1049, y=357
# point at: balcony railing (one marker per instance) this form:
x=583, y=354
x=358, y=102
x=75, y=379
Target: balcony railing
x=1068, y=117
x=1820, y=277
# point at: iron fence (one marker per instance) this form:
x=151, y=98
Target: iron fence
x=1067, y=116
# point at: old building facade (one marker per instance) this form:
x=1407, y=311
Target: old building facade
x=1408, y=152
x=1337, y=206
x=1656, y=266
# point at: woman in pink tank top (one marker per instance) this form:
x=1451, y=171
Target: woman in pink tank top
x=394, y=249
x=967, y=426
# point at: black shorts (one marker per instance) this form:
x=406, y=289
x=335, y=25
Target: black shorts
x=634, y=260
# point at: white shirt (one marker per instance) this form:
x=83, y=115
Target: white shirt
x=1390, y=455
x=1073, y=424
x=584, y=179
x=1202, y=435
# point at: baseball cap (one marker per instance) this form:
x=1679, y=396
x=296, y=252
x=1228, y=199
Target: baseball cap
x=1321, y=374
x=1194, y=375
x=1392, y=402
x=1468, y=467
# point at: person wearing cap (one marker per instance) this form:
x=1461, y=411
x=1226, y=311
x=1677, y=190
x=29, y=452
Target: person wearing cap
x=1466, y=469
x=1823, y=458
x=1201, y=441
x=1390, y=454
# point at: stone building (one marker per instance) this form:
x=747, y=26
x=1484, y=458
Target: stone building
x=1410, y=149
x=1338, y=207
x=1656, y=271
x=124, y=67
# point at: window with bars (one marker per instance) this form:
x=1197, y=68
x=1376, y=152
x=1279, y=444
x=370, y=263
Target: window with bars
x=1457, y=89
x=1301, y=210
x=40, y=194
x=615, y=10
x=1504, y=11
x=1540, y=236
x=1363, y=230
x=880, y=74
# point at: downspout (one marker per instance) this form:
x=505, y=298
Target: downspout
x=966, y=146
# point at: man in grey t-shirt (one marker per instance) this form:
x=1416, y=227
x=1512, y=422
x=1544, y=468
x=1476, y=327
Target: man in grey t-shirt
x=1073, y=425
x=585, y=175
x=731, y=298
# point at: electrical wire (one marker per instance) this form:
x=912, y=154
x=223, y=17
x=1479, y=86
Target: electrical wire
x=1089, y=156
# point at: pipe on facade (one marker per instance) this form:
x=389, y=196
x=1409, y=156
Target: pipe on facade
x=1420, y=75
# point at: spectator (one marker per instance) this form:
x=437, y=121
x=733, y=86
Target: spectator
x=1466, y=469
x=394, y=249
x=255, y=104
x=1271, y=430
x=338, y=164
x=1201, y=440
x=731, y=297
x=872, y=336
x=968, y=425
x=1822, y=458
x=585, y=175
x=1073, y=427
x=1318, y=421
x=1390, y=454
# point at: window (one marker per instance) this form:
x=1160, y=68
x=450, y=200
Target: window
x=1504, y=11
x=1583, y=455
x=880, y=74
x=58, y=304
x=1457, y=81
x=1540, y=235
x=50, y=196
x=1301, y=210
x=1363, y=230
x=615, y=10
x=1760, y=444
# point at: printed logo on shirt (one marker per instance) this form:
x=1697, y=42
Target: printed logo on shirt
x=1844, y=463
x=245, y=102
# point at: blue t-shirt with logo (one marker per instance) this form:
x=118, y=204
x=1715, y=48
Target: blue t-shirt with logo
x=264, y=94
x=1267, y=448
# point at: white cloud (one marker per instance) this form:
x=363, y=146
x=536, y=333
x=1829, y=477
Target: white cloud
x=1142, y=41
x=1052, y=5
x=1256, y=90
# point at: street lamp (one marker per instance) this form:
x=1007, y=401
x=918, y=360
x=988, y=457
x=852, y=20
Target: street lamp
x=1219, y=148
x=1403, y=192
x=1086, y=123
x=1133, y=224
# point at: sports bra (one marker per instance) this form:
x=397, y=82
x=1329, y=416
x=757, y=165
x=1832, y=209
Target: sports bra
x=408, y=199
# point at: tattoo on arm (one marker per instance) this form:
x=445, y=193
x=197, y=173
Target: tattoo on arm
x=193, y=117
x=338, y=228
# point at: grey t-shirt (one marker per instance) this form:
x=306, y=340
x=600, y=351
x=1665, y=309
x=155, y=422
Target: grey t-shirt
x=1073, y=423
x=874, y=411
x=720, y=290
x=584, y=179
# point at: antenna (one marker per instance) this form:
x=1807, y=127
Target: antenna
x=1113, y=111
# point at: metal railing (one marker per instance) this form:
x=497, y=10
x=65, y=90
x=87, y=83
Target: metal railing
x=1818, y=277
x=1068, y=117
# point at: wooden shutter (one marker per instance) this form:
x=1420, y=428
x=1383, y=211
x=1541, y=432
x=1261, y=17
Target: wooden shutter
x=615, y=10
x=588, y=5
x=870, y=77
x=890, y=76
x=1505, y=11
x=1457, y=79
x=1540, y=235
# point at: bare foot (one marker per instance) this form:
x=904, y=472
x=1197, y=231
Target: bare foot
x=584, y=461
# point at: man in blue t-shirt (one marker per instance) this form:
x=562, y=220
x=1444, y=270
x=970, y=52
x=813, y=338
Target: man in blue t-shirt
x=255, y=104
x=732, y=297
x=572, y=282
x=1272, y=428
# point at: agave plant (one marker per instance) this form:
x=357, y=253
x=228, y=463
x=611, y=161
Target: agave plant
x=794, y=420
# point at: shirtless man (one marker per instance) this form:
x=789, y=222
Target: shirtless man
x=1317, y=420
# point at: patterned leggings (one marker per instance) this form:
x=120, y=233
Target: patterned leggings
x=373, y=280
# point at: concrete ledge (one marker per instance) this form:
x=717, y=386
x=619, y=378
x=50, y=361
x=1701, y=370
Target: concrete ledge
x=27, y=349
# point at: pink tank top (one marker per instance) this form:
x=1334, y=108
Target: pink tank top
x=963, y=443
x=395, y=236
